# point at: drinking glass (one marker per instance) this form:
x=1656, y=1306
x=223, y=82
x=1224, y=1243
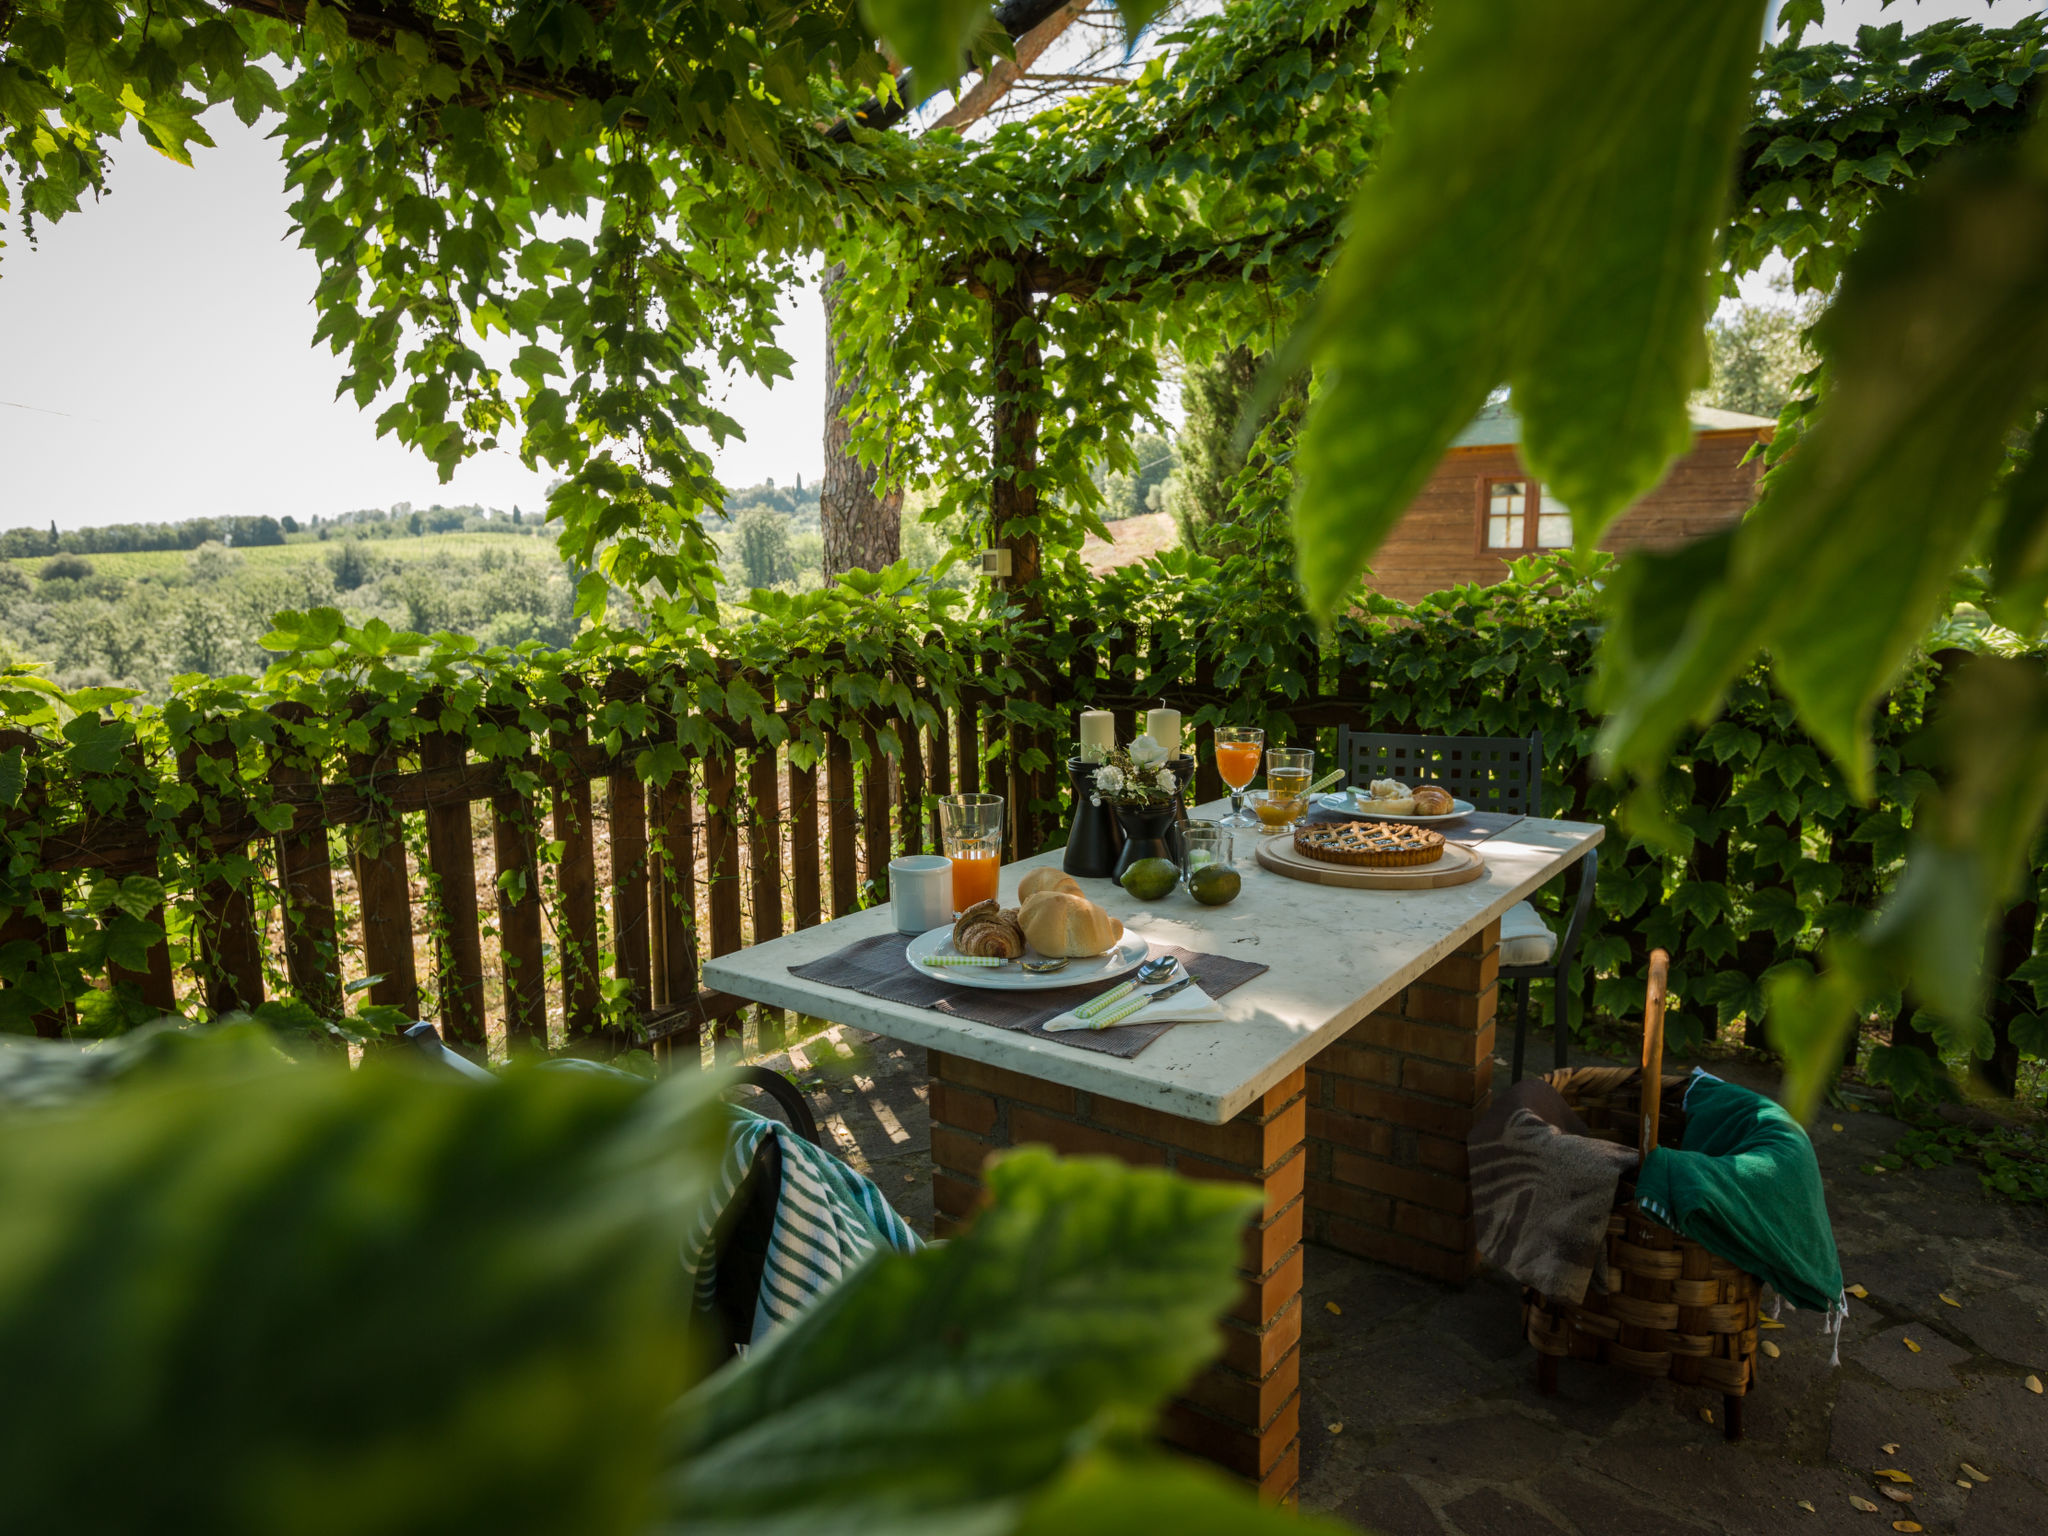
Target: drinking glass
x=972, y=829
x=1288, y=772
x=1237, y=764
x=1208, y=842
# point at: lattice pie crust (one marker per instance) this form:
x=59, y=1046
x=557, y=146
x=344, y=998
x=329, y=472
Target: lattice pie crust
x=1373, y=844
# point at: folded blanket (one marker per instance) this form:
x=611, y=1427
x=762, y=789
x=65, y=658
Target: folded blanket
x=828, y=1221
x=1542, y=1190
x=1744, y=1184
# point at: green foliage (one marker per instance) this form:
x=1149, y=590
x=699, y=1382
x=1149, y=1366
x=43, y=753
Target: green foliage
x=951, y=1384
x=1758, y=354
x=312, y=1299
x=762, y=537
x=1935, y=351
x=1543, y=217
x=301, y=1298
x=2011, y=1160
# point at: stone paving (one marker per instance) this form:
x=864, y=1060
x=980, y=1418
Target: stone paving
x=1420, y=1415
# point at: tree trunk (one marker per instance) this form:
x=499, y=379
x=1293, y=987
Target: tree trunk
x=862, y=530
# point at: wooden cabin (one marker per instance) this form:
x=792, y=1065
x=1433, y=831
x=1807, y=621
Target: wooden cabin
x=1482, y=508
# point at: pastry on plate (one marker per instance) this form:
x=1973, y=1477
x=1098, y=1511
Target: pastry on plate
x=1056, y=923
x=986, y=929
x=1370, y=844
x=1388, y=797
x=1433, y=800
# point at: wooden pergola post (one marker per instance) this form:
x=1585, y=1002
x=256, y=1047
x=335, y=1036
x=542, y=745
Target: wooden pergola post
x=1013, y=506
x=1013, y=486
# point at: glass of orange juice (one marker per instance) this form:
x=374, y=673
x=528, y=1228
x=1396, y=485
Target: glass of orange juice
x=972, y=829
x=1237, y=763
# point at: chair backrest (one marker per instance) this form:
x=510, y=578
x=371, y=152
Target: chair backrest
x=1495, y=773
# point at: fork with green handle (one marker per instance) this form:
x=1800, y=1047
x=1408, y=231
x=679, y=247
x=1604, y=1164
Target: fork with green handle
x=1119, y=1011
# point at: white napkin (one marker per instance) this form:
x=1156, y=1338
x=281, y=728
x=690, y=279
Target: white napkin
x=1190, y=1005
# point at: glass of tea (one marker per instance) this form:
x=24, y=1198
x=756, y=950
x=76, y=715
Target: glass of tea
x=1237, y=764
x=971, y=826
x=1288, y=772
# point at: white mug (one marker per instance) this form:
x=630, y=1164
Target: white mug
x=921, y=892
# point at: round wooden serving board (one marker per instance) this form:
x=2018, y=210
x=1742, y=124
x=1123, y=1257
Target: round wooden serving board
x=1456, y=867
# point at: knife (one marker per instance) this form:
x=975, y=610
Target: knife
x=1130, y=1006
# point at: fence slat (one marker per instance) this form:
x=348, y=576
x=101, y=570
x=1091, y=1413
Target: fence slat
x=942, y=769
x=230, y=958
x=722, y=853
x=451, y=850
x=312, y=951
x=675, y=895
x=874, y=812
x=910, y=781
x=576, y=889
x=839, y=819
x=520, y=954
x=764, y=865
x=806, y=892
x=384, y=890
x=967, y=744
x=626, y=809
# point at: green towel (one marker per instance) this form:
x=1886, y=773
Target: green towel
x=1745, y=1185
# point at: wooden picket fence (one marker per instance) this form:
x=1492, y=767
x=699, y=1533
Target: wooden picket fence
x=740, y=846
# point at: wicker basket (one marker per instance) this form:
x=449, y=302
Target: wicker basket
x=1674, y=1309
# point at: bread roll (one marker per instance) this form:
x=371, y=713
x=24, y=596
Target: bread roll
x=1405, y=806
x=1433, y=800
x=1047, y=880
x=1056, y=923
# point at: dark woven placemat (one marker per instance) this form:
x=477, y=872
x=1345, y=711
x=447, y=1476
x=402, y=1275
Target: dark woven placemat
x=1476, y=827
x=878, y=968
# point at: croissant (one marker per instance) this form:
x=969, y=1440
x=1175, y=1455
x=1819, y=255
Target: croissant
x=1047, y=880
x=1433, y=800
x=986, y=929
x=1056, y=923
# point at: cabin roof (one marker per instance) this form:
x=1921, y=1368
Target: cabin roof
x=1497, y=424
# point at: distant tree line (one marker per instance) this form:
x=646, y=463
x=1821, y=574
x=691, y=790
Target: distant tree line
x=136, y=538
x=397, y=522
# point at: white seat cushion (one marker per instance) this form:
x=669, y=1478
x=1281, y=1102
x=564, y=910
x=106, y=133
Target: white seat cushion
x=1525, y=939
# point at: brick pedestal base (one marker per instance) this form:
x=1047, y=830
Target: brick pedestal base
x=1390, y=1106
x=1383, y=1114
x=1244, y=1412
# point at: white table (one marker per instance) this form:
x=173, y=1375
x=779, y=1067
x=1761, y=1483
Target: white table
x=1334, y=957
x=1341, y=1082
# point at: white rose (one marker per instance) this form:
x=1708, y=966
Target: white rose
x=1167, y=781
x=1109, y=779
x=1147, y=753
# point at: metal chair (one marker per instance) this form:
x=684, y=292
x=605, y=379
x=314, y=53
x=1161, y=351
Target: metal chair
x=1494, y=773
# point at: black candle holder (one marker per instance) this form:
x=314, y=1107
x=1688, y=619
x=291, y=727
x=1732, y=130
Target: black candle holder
x=1094, y=840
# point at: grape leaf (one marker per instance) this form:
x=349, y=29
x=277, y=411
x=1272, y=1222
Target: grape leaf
x=1544, y=215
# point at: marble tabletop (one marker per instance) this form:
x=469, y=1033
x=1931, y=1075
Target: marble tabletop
x=1334, y=956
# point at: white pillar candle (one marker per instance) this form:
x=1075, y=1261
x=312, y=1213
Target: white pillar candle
x=1163, y=726
x=1098, y=730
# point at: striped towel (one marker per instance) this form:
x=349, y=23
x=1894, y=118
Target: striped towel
x=828, y=1221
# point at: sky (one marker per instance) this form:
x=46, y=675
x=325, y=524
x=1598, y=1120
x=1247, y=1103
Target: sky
x=156, y=357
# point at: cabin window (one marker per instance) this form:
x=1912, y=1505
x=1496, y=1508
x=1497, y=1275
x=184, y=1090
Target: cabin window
x=1507, y=509
x=1521, y=516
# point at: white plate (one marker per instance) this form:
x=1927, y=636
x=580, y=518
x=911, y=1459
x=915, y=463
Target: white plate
x=1344, y=804
x=1125, y=955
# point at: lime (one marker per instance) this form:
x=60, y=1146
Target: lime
x=1215, y=885
x=1150, y=879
